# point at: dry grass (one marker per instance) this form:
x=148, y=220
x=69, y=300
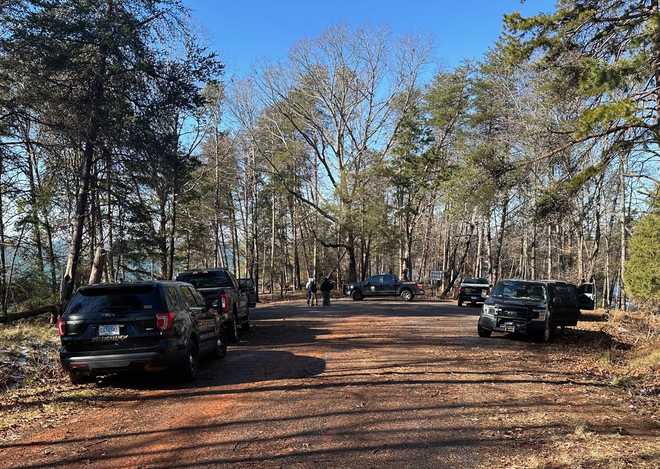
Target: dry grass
x=626, y=349
x=29, y=372
x=28, y=354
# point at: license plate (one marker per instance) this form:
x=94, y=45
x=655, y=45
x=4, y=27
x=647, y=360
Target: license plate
x=509, y=328
x=112, y=329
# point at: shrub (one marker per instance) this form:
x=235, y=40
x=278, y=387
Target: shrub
x=643, y=266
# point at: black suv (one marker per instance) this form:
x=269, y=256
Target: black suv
x=473, y=291
x=144, y=325
x=535, y=308
x=220, y=288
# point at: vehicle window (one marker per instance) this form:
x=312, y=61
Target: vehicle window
x=207, y=279
x=376, y=280
x=389, y=279
x=188, y=296
x=476, y=280
x=93, y=301
x=587, y=288
x=172, y=298
x=519, y=290
x=198, y=297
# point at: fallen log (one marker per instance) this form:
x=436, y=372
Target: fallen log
x=53, y=310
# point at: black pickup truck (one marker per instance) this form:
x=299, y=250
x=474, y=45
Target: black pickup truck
x=221, y=289
x=384, y=285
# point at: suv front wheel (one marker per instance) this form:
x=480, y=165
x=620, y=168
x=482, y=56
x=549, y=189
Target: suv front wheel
x=407, y=295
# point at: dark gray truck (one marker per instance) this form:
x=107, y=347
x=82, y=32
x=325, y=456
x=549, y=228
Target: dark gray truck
x=384, y=285
x=222, y=290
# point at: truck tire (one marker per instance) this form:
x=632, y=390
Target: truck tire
x=406, y=295
x=357, y=295
x=544, y=336
x=220, y=350
x=232, y=332
x=483, y=332
x=245, y=327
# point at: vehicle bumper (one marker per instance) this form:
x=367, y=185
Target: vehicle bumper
x=471, y=298
x=97, y=362
x=514, y=325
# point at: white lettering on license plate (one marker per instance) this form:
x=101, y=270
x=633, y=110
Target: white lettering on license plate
x=112, y=329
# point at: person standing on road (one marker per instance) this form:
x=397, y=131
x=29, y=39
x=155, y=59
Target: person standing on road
x=326, y=288
x=311, y=292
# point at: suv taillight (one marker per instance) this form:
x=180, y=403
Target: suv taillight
x=61, y=327
x=419, y=286
x=165, y=321
x=224, y=302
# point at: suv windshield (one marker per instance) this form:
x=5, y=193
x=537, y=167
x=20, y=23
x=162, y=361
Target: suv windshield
x=92, y=301
x=519, y=290
x=481, y=281
x=212, y=279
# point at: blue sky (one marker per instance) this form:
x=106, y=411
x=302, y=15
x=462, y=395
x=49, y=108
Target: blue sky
x=248, y=32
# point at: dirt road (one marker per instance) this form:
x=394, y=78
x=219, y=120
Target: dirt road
x=369, y=384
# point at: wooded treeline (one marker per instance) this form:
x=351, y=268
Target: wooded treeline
x=349, y=158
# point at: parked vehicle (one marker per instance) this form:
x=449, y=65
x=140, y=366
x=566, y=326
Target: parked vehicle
x=535, y=308
x=247, y=284
x=473, y=291
x=146, y=325
x=219, y=287
x=384, y=285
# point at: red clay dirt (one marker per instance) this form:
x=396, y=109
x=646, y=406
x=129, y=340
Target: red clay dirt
x=359, y=384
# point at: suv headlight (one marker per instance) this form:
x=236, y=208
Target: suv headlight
x=489, y=310
x=540, y=314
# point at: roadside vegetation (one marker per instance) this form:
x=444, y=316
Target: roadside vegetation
x=29, y=371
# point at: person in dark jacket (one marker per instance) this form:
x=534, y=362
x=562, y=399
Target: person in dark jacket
x=326, y=287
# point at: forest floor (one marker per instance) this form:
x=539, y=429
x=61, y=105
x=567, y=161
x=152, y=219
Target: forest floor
x=368, y=384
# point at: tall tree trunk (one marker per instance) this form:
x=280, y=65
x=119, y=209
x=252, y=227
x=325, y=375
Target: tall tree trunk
x=170, y=270
x=477, y=261
x=86, y=170
x=500, y=240
x=34, y=208
x=533, y=255
x=236, y=261
x=622, y=250
x=548, y=256
x=3, y=258
x=296, y=257
x=108, y=192
x=98, y=265
x=272, y=244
